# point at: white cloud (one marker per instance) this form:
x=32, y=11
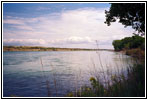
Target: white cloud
x=24, y=42
x=70, y=40
x=77, y=26
x=79, y=40
x=13, y=21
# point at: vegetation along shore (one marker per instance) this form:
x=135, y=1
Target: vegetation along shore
x=39, y=48
x=132, y=85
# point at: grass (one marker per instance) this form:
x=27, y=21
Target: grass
x=47, y=80
x=137, y=53
x=132, y=86
x=44, y=77
x=120, y=85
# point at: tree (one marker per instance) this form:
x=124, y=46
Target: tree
x=129, y=14
x=117, y=45
x=129, y=43
x=137, y=41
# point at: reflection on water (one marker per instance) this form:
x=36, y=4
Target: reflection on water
x=23, y=74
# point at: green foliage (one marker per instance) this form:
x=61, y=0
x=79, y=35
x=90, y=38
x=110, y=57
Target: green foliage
x=137, y=41
x=12, y=95
x=70, y=94
x=129, y=43
x=117, y=44
x=98, y=88
x=87, y=92
x=129, y=14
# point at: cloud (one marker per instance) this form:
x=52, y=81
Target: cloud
x=70, y=40
x=42, y=8
x=76, y=40
x=20, y=42
x=13, y=21
x=79, y=26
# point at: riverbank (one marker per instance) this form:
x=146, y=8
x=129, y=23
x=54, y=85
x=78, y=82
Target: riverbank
x=136, y=53
x=38, y=48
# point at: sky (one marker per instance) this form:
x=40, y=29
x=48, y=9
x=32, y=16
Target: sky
x=67, y=25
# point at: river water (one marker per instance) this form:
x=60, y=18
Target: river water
x=55, y=73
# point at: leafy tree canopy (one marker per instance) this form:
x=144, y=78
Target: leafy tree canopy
x=129, y=43
x=129, y=14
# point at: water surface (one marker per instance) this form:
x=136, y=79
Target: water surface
x=26, y=74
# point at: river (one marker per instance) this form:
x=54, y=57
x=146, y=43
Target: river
x=55, y=73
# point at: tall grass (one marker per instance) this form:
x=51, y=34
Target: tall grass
x=45, y=78
x=118, y=84
x=54, y=79
x=132, y=85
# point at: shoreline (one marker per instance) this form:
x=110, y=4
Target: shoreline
x=39, y=48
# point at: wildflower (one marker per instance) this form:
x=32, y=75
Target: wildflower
x=113, y=77
x=123, y=77
x=92, y=79
x=70, y=95
x=88, y=89
x=104, y=91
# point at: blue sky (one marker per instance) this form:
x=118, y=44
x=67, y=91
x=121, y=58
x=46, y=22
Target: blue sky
x=76, y=25
x=37, y=9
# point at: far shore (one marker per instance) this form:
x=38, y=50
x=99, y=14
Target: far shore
x=40, y=48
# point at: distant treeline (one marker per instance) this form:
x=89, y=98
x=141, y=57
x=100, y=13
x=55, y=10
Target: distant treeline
x=39, y=48
x=129, y=43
